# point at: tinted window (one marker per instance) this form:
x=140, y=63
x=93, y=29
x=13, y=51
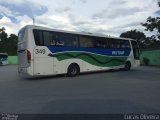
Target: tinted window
x=118, y=44
x=112, y=43
x=38, y=36
x=101, y=43
x=47, y=37
x=3, y=56
x=125, y=44
x=68, y=40
x=86, y=41
x=55, y=38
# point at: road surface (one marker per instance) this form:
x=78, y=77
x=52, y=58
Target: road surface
x=135, y=91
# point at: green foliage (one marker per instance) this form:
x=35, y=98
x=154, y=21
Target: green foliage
x=134, y=34
x=153, y=24
x=8, y=44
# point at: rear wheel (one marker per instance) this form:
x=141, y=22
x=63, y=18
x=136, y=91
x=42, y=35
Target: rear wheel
x=73, y=70
x=127, y=66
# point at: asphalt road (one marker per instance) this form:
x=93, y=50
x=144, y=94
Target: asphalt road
x=135, y=91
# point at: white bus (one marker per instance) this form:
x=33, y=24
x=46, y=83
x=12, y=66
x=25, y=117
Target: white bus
x=44, y=51
x=3, y=59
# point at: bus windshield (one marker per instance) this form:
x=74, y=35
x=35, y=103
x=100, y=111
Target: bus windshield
x=3, y=56
x=3, y=59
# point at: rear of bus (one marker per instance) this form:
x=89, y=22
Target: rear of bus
x=33, y=59
x=24, y=53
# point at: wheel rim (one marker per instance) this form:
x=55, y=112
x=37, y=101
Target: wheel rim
x=127, y=66
x=73, y=71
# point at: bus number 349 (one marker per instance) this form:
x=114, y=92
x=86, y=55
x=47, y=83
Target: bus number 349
x=40, y=51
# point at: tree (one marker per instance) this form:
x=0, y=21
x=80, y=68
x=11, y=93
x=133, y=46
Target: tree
x=134, y=34
x=3, y=35
x=153, y=25
x=8, y=44
x=3, y=38
x=2, y=29
x=12, y=44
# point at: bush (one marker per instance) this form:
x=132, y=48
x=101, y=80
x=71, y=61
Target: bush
x=146, y=61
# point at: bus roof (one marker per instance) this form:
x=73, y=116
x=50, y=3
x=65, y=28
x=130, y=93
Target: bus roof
x=78, y=33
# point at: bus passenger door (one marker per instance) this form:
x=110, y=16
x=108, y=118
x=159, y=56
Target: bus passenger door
x=43, y=64
x=136, y=52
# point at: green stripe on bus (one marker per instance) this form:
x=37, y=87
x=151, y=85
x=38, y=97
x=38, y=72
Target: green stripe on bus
x=98, y=60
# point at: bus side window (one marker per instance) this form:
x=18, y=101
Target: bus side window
x=111, y=43
x=52, y=42
x=116, y=44
x=54, y=38
x=100, y=43
x=125, y=44
x=107, y=43
x=47, y=37
x=68, y=40
x=38, y=37
x=86, y=42
x=60, y=42
x=71, y=40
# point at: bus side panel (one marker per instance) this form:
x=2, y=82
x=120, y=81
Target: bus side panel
x=59, y=66
x=87, y=67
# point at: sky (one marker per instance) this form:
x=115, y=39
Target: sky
x=110, y=17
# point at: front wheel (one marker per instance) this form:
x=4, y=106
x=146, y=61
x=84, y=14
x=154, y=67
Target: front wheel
x=73, y=70
x=127, y=66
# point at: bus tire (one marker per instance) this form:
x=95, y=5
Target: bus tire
x=127, y=66
x=73, y=70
